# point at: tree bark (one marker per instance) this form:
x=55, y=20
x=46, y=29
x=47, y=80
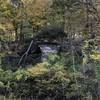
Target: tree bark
x=21, y=36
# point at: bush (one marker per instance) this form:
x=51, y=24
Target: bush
x=48, y=80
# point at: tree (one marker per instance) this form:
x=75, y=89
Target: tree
x=35, y=12
x=11, y=15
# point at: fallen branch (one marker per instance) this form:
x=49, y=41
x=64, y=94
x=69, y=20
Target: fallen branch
x=24, y=56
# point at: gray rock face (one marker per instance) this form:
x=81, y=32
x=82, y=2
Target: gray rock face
x=48, y=49
x=98, y=48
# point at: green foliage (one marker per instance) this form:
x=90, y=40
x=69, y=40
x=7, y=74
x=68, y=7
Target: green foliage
x=46, y=80
x=5, y=75
x=2, y=97
x=20, y=75
x=2, y=84
x=59, y=76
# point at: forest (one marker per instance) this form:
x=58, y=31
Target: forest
x=49, y=49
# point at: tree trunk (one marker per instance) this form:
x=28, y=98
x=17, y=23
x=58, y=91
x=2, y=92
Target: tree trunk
x=15, y=25
x=16, y=34
x=21, y=36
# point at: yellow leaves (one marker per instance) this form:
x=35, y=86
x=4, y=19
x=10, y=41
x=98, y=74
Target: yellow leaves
x=27, y=1
x=41, y=4
x=9, y=25
x=62, y=76
x=2, y=27
x=32, y=10
x=39, y=69
x=6, y=26
x=96, y=57
x=20, y=74
x=35, y=11
x=36, y=6
x=18, y=77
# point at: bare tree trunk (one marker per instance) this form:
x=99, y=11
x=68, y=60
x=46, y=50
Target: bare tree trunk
x=15, y=29
x=21, y=36
x=16, y=34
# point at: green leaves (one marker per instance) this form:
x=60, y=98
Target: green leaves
x=20, y=75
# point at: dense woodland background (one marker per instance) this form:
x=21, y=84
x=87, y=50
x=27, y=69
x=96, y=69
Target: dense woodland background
x=74, y=74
